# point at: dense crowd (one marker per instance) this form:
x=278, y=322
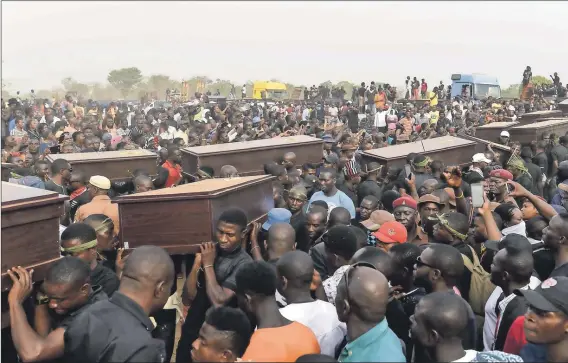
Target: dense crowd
x=356, y=263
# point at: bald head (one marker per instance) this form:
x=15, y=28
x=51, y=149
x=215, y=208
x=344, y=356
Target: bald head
x=376, y=257
x=369, y=291
x=146, y=266
x=297, y=267
x=289, y=156
x=228, y=171
x=281, y=238
x=339, y=216
x=444, y=312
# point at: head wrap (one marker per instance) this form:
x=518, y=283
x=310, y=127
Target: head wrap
x=444, y=222
x=80, y=248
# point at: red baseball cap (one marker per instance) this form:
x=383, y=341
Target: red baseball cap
x=501, y=173
x=405, y=201
x=392, y=232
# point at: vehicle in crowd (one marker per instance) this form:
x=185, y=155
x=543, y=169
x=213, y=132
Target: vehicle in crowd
x=263, y=90
x=478, y=86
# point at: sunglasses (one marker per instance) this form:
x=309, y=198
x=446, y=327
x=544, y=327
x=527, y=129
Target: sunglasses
x=349, y=271
x=420, y=263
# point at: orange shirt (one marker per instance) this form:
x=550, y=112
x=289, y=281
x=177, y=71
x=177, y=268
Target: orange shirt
x=100, y=204
x=283, y=344
x=174, y=173
x=380, y=100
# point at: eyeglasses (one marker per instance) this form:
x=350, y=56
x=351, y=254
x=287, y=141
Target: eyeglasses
x=349, y=271
x=420, y=263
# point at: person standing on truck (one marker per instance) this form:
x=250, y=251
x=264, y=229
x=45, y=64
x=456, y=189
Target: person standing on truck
x=423, y=89
x=361, y=97
x=415, y=85
x=244, y=91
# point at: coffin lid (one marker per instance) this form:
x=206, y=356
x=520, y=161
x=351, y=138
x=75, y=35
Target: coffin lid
x=498, y=125
x=542, y=124
x=77, y=158
x=251, y=145
x=210, y=188
x=541, y=113
x=15, y=196
x=429, y=145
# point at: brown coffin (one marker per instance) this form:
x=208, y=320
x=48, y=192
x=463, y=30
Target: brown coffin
x=531, y=117
x=30, y=229
x=250, y=156
x=115, y=165
x=179, y=219
x=451, y=150
x=531, y=132
x=491, y=132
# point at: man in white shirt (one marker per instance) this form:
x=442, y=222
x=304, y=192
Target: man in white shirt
x=295, y=270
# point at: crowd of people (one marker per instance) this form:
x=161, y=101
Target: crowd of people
x=356, y=262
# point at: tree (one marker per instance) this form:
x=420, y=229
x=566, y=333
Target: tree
x=72, y=86
x=513, y=91
x=124, y=79
x=539, y=80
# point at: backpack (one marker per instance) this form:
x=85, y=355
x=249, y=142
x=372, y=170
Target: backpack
x=481, y=286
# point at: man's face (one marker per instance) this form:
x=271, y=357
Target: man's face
x=427, y=210
x=211, y=346
x=65, y=298
x=479, y=230
x=406, y=216
x=144, y=186
x=423, y=270
x=176, y=157
x=441, y=234
x=315, y=225
x=18, y=161
x=67, y=149
x=366, y=208
x=498, y=274
x=544, y=327
x=289, y=162
x=228, y=235
x=326, y=182
x=497, y=185
x=42, y=171
x=419, y=325
x=552, y=235
x=295, y=202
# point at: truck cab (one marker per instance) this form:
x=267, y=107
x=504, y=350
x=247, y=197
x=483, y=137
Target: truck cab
x=269, y=91
x=476, y=86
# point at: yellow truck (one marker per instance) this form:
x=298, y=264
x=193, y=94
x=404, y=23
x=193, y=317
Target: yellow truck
x=264, y=90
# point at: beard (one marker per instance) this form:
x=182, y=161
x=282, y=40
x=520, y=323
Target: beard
x=424, y=283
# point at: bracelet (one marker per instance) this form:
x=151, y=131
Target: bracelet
x=255, y=247
x=207, y=266
x=460, y=197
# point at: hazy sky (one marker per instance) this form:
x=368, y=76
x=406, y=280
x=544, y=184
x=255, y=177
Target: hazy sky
x=298, y=42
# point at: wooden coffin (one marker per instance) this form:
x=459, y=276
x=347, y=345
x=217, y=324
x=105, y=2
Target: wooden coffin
x=115, y=165
x=30, y=229
x=481, y=146
x=179, y=219
x=491, y=132
x=250, y=156
x=452, y=150
x=532, y=117
x=527, y=133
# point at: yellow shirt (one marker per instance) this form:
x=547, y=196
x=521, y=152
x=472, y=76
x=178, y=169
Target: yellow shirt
x=433, y=96
x=434, y=116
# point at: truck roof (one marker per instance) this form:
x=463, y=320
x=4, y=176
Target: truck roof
x=474, y=78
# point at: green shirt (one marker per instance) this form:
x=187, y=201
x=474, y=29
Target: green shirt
x=379, y=344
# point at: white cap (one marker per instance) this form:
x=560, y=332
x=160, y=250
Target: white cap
x=480, y=158
x=99, y=181
x=505, y=133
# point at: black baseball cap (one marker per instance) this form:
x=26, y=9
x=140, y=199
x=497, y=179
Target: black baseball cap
x=550, y=296
x=513, y=240
x=331, y=159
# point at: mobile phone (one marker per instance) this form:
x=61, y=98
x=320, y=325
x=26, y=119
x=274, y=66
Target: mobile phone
x=477, y=195
x=407, y=170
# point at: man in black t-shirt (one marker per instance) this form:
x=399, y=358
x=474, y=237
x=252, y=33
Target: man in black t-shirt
x=60, y=176
x=216, y=277
x=361, y=97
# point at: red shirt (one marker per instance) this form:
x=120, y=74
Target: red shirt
x=424, y=86
x=174, y=173
x=515, y=337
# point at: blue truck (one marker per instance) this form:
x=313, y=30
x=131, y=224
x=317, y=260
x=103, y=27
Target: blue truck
x=477, y=86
